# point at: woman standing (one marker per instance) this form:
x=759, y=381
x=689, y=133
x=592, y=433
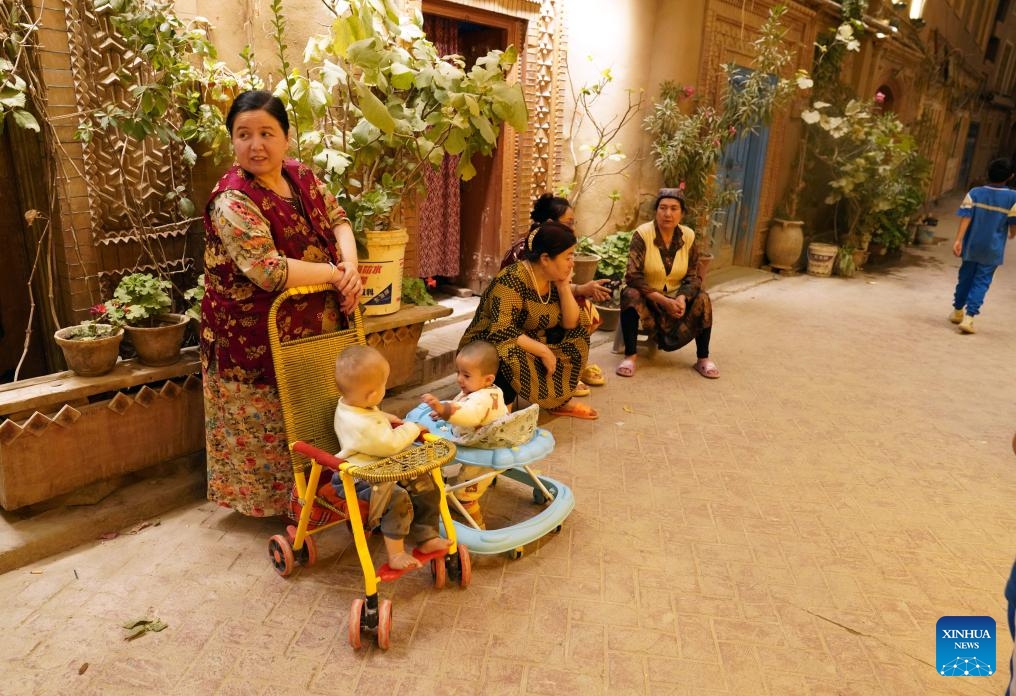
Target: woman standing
x=270, y=225
x=663, y=289
x=530, y=315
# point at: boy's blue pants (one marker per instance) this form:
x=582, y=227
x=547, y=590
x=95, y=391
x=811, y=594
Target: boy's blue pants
x=972, y=286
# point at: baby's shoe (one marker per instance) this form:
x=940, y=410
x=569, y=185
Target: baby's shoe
x=967, y=324
x=956, y=316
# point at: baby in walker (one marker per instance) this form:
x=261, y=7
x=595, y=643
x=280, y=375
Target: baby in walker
x=480, y=402
x=366, y=433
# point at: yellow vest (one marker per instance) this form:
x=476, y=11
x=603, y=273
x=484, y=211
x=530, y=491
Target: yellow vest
x=653, y=270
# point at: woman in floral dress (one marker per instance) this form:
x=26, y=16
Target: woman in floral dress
x=270, y=225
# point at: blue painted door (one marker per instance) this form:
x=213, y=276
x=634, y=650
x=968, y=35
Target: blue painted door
x=741, y=166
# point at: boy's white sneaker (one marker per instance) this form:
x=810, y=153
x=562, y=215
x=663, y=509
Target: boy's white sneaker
x=956, y=316
x=967, y=324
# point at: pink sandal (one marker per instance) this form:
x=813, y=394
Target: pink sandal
x=626, y=368
x=707, y=368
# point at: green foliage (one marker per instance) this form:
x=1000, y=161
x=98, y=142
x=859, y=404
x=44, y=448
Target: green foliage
x=414, y=291
x=868, y=154
x=138, y=298
x=193, y=297
x=16, y=31
x=376, y=107
x=689, y=137
x=89, y=330
x=613, y=253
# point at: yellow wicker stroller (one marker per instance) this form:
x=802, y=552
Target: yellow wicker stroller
x=303, y=367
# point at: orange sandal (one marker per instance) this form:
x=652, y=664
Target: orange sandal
x=575, y=410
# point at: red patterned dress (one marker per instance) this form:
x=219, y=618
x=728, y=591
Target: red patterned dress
x=250, y=231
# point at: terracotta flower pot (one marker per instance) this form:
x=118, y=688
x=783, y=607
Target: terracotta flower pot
x=159, y=344
x=89, y=357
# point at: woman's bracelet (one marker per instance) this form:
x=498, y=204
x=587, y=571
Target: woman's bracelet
x=334, y=269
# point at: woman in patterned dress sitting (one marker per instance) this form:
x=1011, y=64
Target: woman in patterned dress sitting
x=530, y=315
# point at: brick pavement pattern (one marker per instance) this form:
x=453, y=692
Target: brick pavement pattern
x=795, y=527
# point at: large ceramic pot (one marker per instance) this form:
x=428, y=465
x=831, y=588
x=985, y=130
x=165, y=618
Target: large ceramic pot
x=784, y=244
x=89, y=357
x=585, y=268
x=160, y=343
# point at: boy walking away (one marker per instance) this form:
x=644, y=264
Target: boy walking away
x=987, y=215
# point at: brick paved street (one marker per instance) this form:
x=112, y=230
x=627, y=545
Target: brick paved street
x=795, y=527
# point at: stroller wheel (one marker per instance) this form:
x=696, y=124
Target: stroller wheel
x=465, y=567
x=281, y=555
x=307, y=554
x=439, y=572
x=384, y=624
x=355, y=616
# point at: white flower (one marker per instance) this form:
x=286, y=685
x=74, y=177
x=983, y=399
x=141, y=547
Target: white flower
x=810, y=116
x=804, y=82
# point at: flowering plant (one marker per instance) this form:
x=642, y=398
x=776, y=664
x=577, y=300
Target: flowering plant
x=138, y=298
x=689, y=136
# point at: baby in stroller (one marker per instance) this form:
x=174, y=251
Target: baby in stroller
x=366, y=433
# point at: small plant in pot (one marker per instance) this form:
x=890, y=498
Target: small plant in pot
x=613, y=253
x=141, y=302
x=90, y=348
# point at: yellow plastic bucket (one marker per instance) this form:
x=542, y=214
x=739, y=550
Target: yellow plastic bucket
x=381, y=272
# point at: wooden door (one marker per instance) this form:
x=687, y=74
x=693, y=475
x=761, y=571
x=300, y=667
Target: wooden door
x=15, y=303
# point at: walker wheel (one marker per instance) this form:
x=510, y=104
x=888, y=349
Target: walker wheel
x=557, y=529
x=384, y=624
x=465, y=567
x=516, y=554
x=439, y=572
x=355, y=617
x=281, y=555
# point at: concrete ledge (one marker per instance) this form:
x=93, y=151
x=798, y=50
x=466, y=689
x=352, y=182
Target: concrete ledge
x=29, y=534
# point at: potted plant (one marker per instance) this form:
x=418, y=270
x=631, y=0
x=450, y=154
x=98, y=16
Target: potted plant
x=376, y=107
x=689, y=136
x=142, y=304
x=865, y=153
x=613, y=253
x=90, y=348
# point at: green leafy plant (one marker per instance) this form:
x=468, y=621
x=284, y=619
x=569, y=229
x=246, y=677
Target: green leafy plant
x=193, y=297
x=865, y=153
x=613, y=253
x=89, y=330
x=137, y=300
x=18, y=30
x=414, y=291
x=689, y=136
x=376, y=107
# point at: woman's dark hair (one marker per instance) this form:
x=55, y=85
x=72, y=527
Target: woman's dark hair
x=547, y=207
x=550, y=238
x=258, y=100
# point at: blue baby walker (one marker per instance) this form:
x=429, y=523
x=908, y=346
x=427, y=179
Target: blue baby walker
x=514, y=463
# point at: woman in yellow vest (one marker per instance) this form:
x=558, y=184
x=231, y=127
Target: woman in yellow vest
x=663, y=289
